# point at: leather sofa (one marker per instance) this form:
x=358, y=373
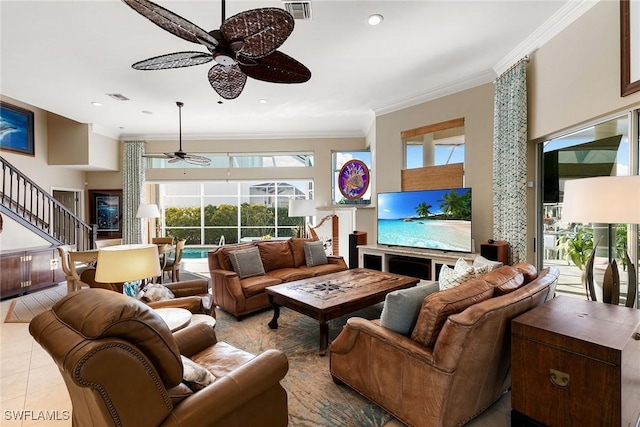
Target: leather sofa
x=456, y=361
x=123, y=367
x=283, y=261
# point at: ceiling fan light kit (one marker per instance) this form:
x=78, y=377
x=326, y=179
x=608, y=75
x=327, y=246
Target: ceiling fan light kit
x=245, y=45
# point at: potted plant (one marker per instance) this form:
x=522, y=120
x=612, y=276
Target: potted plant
x=577, y=248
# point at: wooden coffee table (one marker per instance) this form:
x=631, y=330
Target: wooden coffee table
x=333, y=295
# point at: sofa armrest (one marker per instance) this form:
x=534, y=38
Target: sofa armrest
x=189, y=287
x=192, y=303
x=357, y=326
x=228, y=280
x=336, y=259
x=195, y=338
x=231, y=392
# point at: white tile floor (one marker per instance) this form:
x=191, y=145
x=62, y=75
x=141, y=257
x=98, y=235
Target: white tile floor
x=32, y=392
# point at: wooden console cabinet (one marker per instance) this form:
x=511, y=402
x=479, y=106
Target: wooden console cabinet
x=421, y=263
x=26, y=270
x=576, y=363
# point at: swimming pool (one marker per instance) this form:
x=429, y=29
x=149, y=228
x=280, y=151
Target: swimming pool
x=196, y=251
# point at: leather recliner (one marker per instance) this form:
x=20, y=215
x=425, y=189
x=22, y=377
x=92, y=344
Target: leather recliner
x=122, y=367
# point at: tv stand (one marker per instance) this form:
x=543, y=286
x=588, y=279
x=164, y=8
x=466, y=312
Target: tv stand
x=422, y=263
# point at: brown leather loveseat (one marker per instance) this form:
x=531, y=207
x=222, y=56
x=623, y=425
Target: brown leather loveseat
x=456, y=361
x=123, y=367
x=282, y=261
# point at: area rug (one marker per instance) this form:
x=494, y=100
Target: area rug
x=314, y=399
x=25, y=308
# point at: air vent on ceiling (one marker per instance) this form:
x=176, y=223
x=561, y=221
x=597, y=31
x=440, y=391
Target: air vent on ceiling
x=118, y=96
x=298, y=9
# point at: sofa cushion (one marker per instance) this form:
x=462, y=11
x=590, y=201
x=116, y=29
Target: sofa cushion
x=504, y=279
x=319, y=270
x=314, y=253
x=247, y=262
x=275, y=254
x=528, y=271
x=252, y=286
x=297, y=249
x=401, y=307
x=290, y=274
x=223, y=254
x=438, y=306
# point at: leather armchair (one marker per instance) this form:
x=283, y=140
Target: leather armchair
x=463, y=372
x=122, y=367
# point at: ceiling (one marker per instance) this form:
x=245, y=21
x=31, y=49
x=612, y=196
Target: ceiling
x=63, y=55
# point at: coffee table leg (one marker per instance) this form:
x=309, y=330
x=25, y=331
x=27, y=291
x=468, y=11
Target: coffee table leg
x=324, y=337
x=276, y=313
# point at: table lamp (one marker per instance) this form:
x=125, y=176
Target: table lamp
x=302, y=208
x=148, y=211
x=608, y=200
x=127, y=263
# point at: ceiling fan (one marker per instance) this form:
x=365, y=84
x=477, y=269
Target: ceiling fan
x=245, y=45
x=180, y=155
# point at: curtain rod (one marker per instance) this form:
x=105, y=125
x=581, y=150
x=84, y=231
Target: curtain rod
x=524, y=59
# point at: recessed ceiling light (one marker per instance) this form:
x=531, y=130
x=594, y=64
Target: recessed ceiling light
x=147, y=112
x=96, y=104
x=262, y=101
x=375, y=19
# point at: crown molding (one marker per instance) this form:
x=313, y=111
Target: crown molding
x=243, y=136
x=560, y=20
x=438, y=92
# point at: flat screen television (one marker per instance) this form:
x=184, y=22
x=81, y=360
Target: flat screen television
x=428, y=219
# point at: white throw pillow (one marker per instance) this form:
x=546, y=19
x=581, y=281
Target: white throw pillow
x=479, y=261
x=460, y=273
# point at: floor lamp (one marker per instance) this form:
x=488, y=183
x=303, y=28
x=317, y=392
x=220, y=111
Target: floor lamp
x=148, y=211
x=607, y=200
x=302, y=208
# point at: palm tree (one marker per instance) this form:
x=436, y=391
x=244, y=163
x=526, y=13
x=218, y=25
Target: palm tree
x=455, y=205
x=422, y=210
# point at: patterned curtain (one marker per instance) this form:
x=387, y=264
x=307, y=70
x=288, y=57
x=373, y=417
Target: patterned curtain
x=132, y=191
x=510, y=160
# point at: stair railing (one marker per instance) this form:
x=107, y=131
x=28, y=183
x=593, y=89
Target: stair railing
x=27, y=203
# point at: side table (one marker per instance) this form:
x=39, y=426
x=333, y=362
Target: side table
x=175, y=318
x=576, y=363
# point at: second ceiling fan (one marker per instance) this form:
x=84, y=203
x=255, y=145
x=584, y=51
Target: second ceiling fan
x=245, y=45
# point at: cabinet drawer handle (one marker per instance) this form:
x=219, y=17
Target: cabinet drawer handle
x=559, y=379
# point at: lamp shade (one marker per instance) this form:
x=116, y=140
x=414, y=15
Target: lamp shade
x=603, y=199
x=126, y=263
x=148, y=211
x=301, y=207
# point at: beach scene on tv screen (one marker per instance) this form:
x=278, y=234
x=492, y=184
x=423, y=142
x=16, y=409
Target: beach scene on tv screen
x=432, y=219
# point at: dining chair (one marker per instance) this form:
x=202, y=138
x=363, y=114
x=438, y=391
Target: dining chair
x=172, y=263
x=163, y=240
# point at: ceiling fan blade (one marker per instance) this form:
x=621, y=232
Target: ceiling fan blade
x=175, y=160
x=276, y=68
x=156, y=156
x=173, y=60
x=197, y=160
x=228, y=81
x=262, y=30
x=172, y=23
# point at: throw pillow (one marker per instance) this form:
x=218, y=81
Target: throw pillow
x=247, y=262
x=156, y=292
x=480, y=261
x=195, y=376
x=314, y=253
x=401, y=307
x=437, y=307
x=452, y=277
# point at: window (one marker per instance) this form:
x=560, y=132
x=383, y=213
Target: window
x=203, y=213
x=434, y=145
x=339, y=158
x=242, y=160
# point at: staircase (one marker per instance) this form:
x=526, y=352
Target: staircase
x=25, y=202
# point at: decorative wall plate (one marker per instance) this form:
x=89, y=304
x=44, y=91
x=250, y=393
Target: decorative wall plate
x=353, y=179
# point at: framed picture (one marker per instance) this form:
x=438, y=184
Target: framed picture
x=16, y=129
x=105, y=210
x=353, y=179
x=629, y=46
